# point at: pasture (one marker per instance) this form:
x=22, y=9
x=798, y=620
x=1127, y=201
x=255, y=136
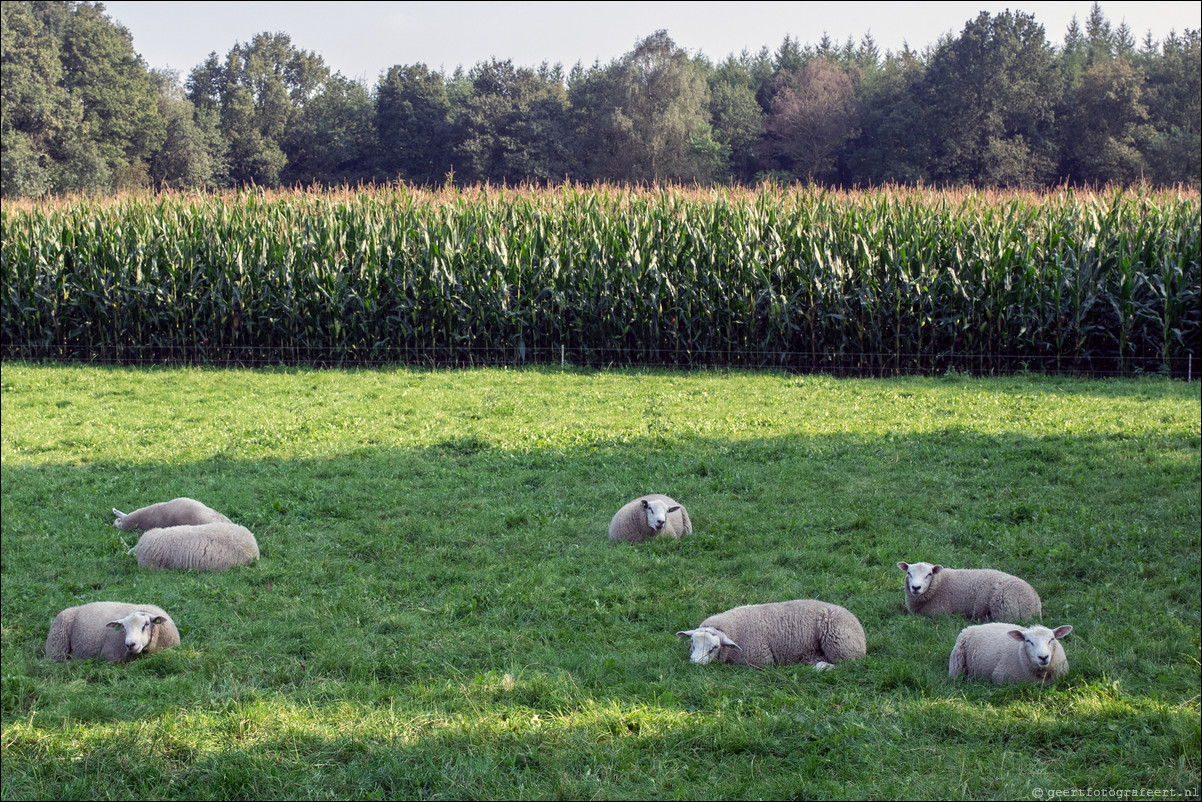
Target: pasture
x=438, y=614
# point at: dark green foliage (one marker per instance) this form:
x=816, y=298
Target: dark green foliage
x=863, y=283
x=514, y=127
x=1102, y=139
x=736, y=114
x=413, y=126
x=109, y=82
x=645, y=117
x=893, y=144
x=192, y=155
x=260, y=94
x=992, y=96
x=998, y=105
x=79, y=106
x=333, y=138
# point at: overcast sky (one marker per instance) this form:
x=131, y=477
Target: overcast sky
x=363, y=39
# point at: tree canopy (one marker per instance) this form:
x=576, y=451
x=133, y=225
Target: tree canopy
x=999, y=104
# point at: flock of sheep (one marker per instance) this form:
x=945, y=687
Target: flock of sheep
x=821, y=634
x=182, y=534
x=186, y=534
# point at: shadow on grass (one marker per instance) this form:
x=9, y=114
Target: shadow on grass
x=808, y=745
x=399, y=587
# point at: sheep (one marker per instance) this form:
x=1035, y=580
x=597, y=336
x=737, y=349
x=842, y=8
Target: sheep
x=803, y=631
x=648, y=516
x=115, y=631
x=177, y=512
x=207, y=547
x=982, y=594
x=989, y=650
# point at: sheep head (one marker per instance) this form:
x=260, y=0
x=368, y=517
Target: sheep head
x=139, y=629
x=1038, y=643
x=706, y=643
x=657, y=513
x=918, y=576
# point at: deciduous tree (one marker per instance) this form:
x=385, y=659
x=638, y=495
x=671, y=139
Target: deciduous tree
x=413, y=125
x=515, y=125
x=991, y=98
x=812, y=117
x=645, y=117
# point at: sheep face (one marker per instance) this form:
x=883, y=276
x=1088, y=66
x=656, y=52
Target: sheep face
x=918, y=576
x=139, y=629
x=707, y=641
x=1037, y=643
x=657, y=513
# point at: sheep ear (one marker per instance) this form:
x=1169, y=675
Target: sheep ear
x=1017, y=634
x=159, y=619
x=644, y=503
x=726, y=641
x=936, y=569
x=115, y=625
x=674, y=509
x=904, y=566
x=685, y=633
x=1060, y=632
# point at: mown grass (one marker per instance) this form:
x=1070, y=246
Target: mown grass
x=438, y=614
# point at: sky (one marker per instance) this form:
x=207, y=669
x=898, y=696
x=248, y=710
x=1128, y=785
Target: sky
x=363, y=39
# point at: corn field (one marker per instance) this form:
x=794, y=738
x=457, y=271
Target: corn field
x=854, y=283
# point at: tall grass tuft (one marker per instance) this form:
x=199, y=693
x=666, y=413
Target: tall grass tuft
x=876, y=282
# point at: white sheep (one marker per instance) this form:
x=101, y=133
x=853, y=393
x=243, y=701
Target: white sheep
x=982, y=594
x=803, y=631
x=207, y=547
x=177, y=512
x=115, y=631
x=1009, y=653
x=648, y=516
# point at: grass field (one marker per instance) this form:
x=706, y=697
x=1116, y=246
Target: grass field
x=438, y=613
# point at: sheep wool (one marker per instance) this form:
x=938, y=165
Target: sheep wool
x=648, y=516
x=808, y=631
x=207, y=547
x=115, y=631
x=1009, y=653
x=981, y=594
x=177, y=512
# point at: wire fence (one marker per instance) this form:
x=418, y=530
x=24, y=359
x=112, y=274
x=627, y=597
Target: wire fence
x=844, y=364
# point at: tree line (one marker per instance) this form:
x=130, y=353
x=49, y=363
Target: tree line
x=998, y=105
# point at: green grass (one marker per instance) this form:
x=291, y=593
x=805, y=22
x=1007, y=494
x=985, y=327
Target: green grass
x=438, y=613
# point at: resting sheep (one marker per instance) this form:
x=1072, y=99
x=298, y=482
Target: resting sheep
x=648, y=516
x=804, y=631
x=115, y=631
x=1009, y=653
x=981, y=594
x=207, y=547
x=177, y=512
